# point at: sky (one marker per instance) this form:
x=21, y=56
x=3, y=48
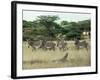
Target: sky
x=68, y=16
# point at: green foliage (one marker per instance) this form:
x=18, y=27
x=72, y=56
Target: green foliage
x=46, y=27
x=63, y=23
x=49, y=25
x=27, y=24
x=85, y=25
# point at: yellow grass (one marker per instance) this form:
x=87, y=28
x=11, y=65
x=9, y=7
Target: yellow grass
x=44, y=59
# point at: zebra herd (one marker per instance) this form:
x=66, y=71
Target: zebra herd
x=47, y=45
x=60, y=44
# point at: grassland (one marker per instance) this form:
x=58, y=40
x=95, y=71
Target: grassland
x=39, y=58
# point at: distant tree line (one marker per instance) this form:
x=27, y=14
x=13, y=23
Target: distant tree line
x=47, y=27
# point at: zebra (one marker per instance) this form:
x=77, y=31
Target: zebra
x=43, y=42
x=35, y=44
x=30, y=43
x=62, y=45
x=49, y=45
x=81, y=44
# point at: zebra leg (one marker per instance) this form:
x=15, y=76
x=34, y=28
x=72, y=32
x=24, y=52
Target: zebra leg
x=53, y=49
x=87, y=48
x=77, y=47
x=33, y=48
x=60, y=49
x=28, y=46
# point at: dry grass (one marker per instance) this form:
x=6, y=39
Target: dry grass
x=44, y=59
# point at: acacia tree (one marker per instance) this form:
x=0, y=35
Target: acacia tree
x=85, y=25
x=64, y=23
x=49, y=22
x=27, y=24
x=71, y=30
x=47, y=27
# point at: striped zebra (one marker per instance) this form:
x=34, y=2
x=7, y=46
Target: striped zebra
x=62, y=45
x=35, y=44
x=49, y=45
x=81, y=44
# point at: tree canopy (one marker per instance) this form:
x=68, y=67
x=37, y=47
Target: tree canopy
x=47, y=27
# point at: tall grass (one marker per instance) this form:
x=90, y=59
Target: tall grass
x=44, y=59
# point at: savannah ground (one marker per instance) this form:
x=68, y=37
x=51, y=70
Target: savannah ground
x=39, y=58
